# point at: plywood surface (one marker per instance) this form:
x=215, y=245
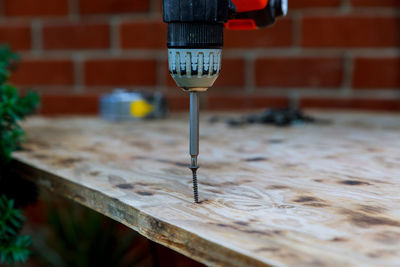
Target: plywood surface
x=315, y=195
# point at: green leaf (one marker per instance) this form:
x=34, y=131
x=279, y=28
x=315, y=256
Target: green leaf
x=13, y=247
x=13, y=108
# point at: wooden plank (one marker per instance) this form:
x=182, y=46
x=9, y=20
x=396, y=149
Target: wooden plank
x=315, y=195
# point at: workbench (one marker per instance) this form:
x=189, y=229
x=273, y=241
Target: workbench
x=310, y=195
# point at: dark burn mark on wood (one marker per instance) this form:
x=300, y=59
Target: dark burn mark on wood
x=277, y=187
x=241, y=223
x=318, y=180
x=316, y=205
x=142, y=184
x=275, y=141
x=353, y=182
x=145, y=193
x=339, y=239
x=94, y=173
x=205, y=201
x=90, y=149
x=179, y=164
x=285, y=207
x=125, y=186
x=311, y=201
x=305, y=199
x=364, y=220
x=255, y=159
x=257, y=232
x=374, y=255
x=371, y=209
x=40, y=156
x=67, y=162
x=218, y=184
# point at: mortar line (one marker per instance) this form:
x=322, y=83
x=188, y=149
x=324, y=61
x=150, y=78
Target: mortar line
x=268, y=53
x=36, y=36
x=296, y=29
x=154, y=9
x=345, y=6
x=347, y=74
x=249, y=73
x=79, y=74
x=73, y=9
x=115, y=25
x=161, y=74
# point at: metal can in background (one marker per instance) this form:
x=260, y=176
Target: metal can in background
x=123, y=105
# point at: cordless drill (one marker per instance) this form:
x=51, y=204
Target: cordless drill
x=195, y=40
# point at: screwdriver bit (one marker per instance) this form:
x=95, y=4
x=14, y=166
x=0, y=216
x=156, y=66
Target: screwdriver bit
x=194, y=140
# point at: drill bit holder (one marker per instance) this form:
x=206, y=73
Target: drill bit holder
x=194, y=69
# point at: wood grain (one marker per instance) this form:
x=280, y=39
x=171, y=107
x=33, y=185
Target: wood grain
x=315, y=195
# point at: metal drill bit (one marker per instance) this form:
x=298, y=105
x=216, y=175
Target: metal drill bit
x=194, y=140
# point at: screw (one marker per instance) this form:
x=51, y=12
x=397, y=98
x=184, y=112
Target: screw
x=195, y=188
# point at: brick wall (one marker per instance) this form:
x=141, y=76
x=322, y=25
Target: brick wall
x=326, y=53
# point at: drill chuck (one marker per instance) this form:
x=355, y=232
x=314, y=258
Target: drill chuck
x=194, y=53
x=194, y=69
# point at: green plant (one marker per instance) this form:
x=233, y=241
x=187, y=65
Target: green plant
x=13, y=107
x=13, y=247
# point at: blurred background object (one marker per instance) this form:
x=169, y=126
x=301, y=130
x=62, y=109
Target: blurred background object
x=120, y=105
x=325, y=54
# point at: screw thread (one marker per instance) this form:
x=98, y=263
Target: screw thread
x=195, y=187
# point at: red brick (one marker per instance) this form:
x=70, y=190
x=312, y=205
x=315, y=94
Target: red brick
x=82, y=36
x=376, y=73
x=178, y=102
x=120, y=72
x=278, y=35
x=376, y=3
x=44, y=72
x=351, y=31
x=232, y=73
x=35, y=7
x=113, y=6
x=299, y=72
x=144, y=35
x=352, y=103
x=18, y=37
x=243, y=102
x=69, y=104
x=313, y=3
